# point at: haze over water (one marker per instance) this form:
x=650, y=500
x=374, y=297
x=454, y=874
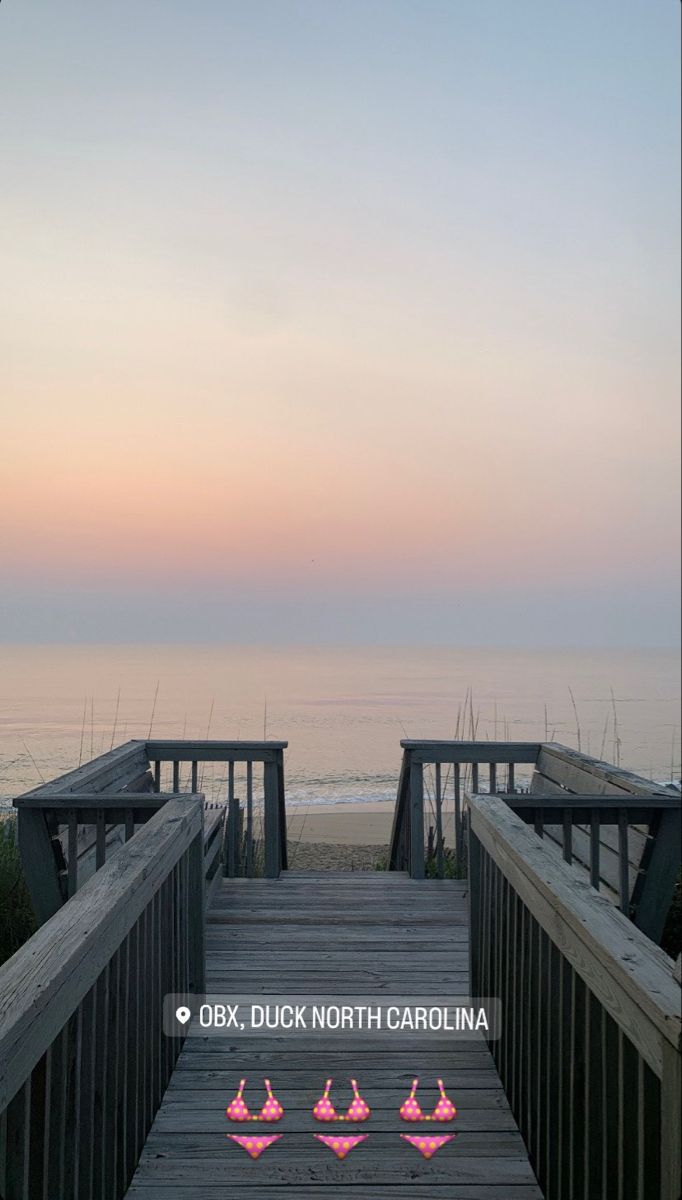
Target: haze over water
x=343, y=710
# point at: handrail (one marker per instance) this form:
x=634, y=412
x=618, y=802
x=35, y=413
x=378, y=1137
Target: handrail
x=590, y=1012
x=83, y=1058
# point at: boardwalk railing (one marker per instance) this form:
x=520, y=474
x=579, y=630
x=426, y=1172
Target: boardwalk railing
x=589, y=1053
x=241, y=837
x=572, y=815
x=421, y=810
x=621, y=830
x=68, y=828
x=83, y=1059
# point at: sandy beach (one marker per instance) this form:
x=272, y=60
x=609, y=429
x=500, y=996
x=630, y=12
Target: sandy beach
x=349, y=824
x=339, y=837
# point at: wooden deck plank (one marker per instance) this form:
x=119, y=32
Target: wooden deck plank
x=335, y=935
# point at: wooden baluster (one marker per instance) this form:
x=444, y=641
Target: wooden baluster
x=510, y=778
x=271, y=820
x=416, y=819
x=539, y=824
x=100, y=1133
x=86, y=1091
x=623, y=865
x=232, y=826
x=594, y=848
x=568, y=835
x=249, y=820
x=157, y=776
x=109, y=1084
x=17, y=1141
x=439, y=823
x=458, y=811
x=196, y=915
x=101, y=840
x=38, y=1127
x=129, y=824
x=195, y=777
x=492, y=787
x=176, y=776
x=474, y=778
x=72, y=866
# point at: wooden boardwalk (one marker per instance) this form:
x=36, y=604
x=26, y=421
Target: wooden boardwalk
x=363, y=935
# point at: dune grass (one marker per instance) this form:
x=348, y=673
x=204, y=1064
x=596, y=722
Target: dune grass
x=17, y=921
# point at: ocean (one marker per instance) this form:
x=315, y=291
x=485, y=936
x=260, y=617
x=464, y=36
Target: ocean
x=343, y=710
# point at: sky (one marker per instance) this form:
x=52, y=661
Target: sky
x=351, y=320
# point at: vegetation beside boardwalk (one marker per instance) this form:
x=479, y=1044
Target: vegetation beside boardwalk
x=17, y=921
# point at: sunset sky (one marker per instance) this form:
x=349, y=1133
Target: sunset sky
x=351, y=320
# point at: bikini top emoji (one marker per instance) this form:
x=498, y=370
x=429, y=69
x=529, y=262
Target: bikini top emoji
x=444, y=1110
x=237, y=1109
x=358, y=1110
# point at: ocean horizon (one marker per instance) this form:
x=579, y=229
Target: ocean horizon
x=343, y=710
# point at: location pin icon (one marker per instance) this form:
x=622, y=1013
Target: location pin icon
x=183, y=1014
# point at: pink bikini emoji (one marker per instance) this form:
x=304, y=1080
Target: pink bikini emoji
x=411, y=1110
x=358, y=1109
x=237, y=1109
x=444, y=1110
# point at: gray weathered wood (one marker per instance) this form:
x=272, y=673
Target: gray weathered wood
x=40, y=867
x=169, y=750
x=662, y=866
x=416, y=802
x=45, y=982
x=626, y=971
x=186, y=1154
x=430, y=751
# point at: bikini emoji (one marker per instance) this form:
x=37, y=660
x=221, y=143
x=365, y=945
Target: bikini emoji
x=411, y=1110
x=237, y=1110
x=358, y=1110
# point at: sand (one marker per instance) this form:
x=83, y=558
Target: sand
x=339, y=837
x=341, y=824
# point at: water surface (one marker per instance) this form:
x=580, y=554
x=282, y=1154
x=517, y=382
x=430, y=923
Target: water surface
x=343, y=710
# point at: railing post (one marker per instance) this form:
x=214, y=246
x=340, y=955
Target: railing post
x=281, y=805
x=416, y=819
x=232, y=855
x=38, y=860
x=196, y=925
x=653, y=897
x=474, y=877
x=271, y=820
x=439, y=822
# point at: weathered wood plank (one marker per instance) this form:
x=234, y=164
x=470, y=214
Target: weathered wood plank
x=187, y=1153
x=620, y=965
x=433, y=751
x=45, y=982
x=170, y=750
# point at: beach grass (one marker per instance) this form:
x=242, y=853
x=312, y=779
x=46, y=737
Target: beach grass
x=17, y=921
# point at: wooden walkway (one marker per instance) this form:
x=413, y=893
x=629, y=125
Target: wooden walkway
x=368, y=935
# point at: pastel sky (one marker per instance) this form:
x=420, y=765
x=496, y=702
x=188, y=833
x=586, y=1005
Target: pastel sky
x=348, y=320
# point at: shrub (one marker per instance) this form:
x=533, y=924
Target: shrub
x=17, y=921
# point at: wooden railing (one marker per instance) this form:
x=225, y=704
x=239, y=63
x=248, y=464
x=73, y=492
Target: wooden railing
x=590, y=815
x=589, y=1052
x=84, y=1061
x=68, y=827
x=622, y=831
x=240, y=842
x=458, y=767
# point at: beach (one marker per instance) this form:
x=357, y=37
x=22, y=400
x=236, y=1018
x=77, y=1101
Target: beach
x=339, y=837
